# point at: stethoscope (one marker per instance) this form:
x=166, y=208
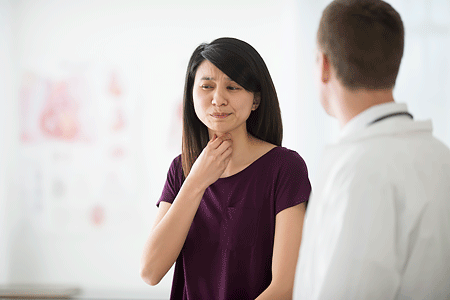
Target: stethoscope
x=402, y=113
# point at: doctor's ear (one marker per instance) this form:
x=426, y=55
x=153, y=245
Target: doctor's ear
x=325, y=67
x=256, y=101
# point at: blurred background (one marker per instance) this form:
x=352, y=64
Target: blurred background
x=90, y=118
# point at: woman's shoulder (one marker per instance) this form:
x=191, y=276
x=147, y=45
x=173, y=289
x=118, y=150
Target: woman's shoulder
x=280, y=153
x=176, y=163
x=284, y=153
x=285, y=158
x=177, y=160
x=176, y=167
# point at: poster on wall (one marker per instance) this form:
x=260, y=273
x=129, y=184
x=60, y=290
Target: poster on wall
x=77, y=143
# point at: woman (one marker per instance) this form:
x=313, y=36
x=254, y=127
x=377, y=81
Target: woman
x=232, y=208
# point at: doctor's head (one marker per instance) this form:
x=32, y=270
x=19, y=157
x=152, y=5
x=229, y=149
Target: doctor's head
x=360, y=45
x=228, y=89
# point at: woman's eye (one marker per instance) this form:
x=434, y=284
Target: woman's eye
x=233, y=88
x=205, y=86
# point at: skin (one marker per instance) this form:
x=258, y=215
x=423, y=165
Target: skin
x=214, y=92
x=223, y=106
x=340, y=102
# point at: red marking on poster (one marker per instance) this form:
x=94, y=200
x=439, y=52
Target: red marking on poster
x=59, y=118
x=114, y=85
x=118, y=152
x=98, y=215
x=119, y=122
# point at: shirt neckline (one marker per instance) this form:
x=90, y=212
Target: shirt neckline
x=363, y=119
x=250, y=165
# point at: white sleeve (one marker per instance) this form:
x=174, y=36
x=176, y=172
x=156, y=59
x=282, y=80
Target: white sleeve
x=350, y=251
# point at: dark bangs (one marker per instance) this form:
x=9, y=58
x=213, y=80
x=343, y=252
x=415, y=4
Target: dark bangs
x=235, y=61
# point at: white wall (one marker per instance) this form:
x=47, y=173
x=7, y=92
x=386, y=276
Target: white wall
x=149, y=44
x=7, y=124
x=4, y=9
x=424, y=74
x=48, y=186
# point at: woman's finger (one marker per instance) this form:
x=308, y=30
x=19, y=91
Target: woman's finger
x=213, y=138
x=227, y=156
x=227, y=153
x=224, y=146
x=219, y=140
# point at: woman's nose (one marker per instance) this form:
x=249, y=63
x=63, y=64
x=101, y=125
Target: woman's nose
x=219, y=98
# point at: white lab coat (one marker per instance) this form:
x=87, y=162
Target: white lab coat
x=378, y=221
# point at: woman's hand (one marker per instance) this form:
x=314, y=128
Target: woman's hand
x=212, y=162
x=173, y=221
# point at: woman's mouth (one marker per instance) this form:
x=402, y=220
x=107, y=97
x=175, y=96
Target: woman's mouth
x=220, y=116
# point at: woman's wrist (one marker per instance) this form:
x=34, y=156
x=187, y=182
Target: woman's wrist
x=194, y=185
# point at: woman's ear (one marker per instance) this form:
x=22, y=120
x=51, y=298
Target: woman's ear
x=256, y=101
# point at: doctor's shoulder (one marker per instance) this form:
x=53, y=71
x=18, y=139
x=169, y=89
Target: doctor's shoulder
x=355, y=164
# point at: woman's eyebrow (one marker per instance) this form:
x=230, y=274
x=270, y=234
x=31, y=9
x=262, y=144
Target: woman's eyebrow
x=212, y=78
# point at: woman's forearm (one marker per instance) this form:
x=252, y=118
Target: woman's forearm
x=168, y=236
x=172, y=224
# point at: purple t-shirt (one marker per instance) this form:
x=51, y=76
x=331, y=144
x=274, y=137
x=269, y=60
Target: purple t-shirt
x=228, y=250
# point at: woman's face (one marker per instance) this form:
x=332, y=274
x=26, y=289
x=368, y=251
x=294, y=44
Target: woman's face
x=220, y=103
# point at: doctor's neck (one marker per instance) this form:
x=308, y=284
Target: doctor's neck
x=347, y=104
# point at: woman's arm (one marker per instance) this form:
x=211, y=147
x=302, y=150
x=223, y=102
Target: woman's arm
x=288, y=235
x=169, y=233
x=174, y=220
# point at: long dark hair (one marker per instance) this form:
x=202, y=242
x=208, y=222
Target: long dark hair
x=243, y=64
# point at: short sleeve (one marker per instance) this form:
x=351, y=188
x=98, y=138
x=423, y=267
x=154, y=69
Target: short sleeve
x=292, y=183
x=173, y=182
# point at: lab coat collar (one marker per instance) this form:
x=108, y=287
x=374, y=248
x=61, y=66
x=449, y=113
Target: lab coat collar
x=359, y=127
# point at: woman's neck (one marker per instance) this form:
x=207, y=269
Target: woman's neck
x=243, y=151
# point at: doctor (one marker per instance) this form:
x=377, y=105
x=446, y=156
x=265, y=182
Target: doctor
x=378, y=221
